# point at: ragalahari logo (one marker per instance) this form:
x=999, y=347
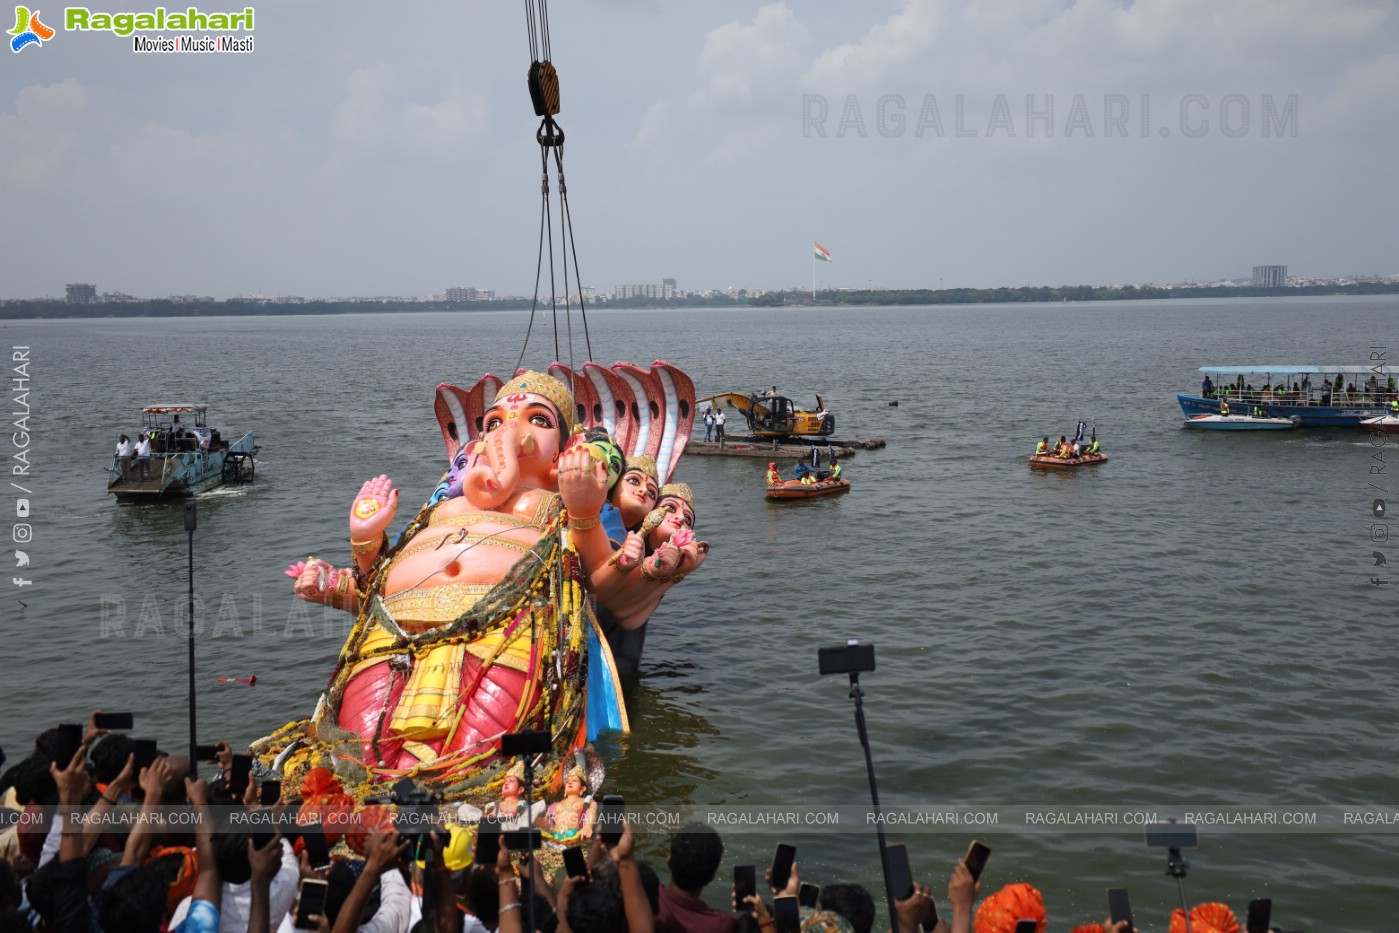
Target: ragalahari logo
x=28, y=30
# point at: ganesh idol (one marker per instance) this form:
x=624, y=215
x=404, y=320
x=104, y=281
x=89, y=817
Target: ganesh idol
x=476, y=622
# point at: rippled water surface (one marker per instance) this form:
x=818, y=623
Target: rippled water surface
x=1190, y=624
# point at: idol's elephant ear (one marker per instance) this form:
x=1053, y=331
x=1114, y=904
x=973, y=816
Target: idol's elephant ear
x=646, y=389
x=679, y=400
x=616, y=409
x=585, y=398
x=461, y=411
x=451, y=407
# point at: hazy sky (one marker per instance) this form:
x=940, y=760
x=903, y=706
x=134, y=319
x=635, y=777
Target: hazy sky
x=372, y=149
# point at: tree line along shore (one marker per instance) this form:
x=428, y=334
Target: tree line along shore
x=24, y=309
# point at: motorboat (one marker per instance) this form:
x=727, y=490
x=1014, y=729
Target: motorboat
x=187, y=457
x=1242, y=423
x=1386, y=424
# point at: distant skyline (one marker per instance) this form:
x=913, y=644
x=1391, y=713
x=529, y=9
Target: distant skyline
x=925, y=144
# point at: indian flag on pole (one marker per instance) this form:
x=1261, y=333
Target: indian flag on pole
x=822, y=253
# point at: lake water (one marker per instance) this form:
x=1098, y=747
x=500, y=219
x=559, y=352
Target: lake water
x=1191, y=625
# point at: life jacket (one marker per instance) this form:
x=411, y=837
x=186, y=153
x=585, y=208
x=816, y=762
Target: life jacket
x=1224, y=408
x=1039, y=448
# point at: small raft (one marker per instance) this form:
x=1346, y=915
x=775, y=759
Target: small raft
x=1051, y=462
x=796, y=489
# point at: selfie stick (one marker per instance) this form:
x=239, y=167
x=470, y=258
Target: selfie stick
x=190, y=521
x=858, y=696
x=1176, y=867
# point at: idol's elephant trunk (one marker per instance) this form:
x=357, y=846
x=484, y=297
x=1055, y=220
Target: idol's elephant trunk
x=496, y=472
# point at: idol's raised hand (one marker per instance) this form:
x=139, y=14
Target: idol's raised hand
x=373, y=510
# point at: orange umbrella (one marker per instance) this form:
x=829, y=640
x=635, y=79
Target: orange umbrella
x=1000, y=912
x=362, y=822
x=324, y=801
x=1206, y=918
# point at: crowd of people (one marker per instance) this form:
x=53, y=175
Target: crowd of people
x=97, y=843
x=1068, y=449
x=134, y=459
x=1331, y=391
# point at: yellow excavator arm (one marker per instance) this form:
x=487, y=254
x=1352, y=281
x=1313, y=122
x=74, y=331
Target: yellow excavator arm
x=770, y=416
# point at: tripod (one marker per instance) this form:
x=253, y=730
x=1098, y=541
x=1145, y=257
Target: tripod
x=1176, y=867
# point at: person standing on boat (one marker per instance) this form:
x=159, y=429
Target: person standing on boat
x=708, y=425
x=719, y=426
x=143, y=456
x=1042, y=447
x=1207, y=388
x=124, y=456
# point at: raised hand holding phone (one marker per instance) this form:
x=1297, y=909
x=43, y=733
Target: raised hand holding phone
x=977, y=854
x=782, y=873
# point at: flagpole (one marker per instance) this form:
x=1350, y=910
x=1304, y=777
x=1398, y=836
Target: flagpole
x=813, y=276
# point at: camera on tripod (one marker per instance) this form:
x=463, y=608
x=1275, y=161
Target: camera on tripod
x=854, y=658
x=418, y=815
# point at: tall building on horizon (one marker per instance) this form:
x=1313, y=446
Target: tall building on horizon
x=81, y=294
x=1270, y=276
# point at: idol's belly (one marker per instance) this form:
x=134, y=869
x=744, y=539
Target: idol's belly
x=437, y=556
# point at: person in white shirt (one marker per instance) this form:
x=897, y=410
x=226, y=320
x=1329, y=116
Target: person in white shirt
x=719, y=426
x=124, y=456
x=233, y=911
x=143, y=456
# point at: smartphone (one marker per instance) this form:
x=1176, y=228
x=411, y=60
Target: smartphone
x=900, y=875
x=1260, y=915
x=119, y=721
x=977, y=854
x=931, y=923
x=206, y=752
x=1119, y=906
x=239, y=774
x=487, y=840
x=809, y=895
x=787, y=913
x=1027, y=926
x=146, y=753
x=745, y=885
x=69, y=738
x=269, y=792
x=782, y=861
x=611, y=819
x=311, y=902
x=522, y=840
x=575, y=863
x=1172, y=836
x=317, y=850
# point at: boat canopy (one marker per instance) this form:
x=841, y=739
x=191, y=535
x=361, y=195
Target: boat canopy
x=1300, y=369
x=173, y=409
